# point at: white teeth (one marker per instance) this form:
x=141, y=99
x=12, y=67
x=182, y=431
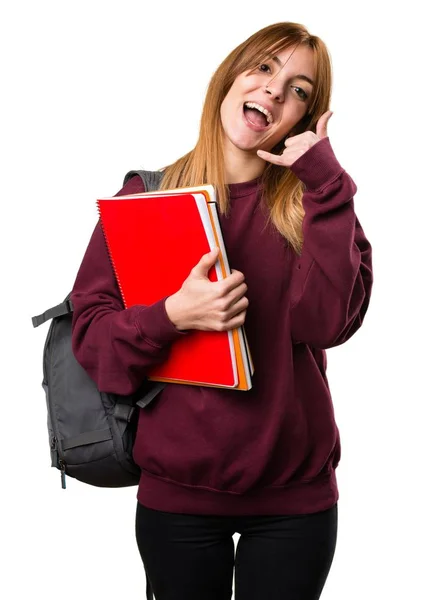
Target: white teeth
x=268, y=115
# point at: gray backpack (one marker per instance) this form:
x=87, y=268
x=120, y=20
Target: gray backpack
x=91, y=433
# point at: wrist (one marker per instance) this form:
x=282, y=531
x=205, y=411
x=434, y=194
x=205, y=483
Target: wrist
x=317, y=166
x=174, y=313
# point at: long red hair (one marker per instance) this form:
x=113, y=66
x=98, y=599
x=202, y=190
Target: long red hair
x=282, y=190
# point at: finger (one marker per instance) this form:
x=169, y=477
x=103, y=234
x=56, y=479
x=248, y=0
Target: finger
x=235, y=295
x=240, y=306
x=236, y=277
x=206, y=262
x=290, y=140
x=322, y=124
x=238, y=320
x=275, y=159
x=231, y=282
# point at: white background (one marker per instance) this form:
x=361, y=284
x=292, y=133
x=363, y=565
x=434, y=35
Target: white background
x=95, y=88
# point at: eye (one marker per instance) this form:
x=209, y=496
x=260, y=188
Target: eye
x=266, y=68
x=303, y=95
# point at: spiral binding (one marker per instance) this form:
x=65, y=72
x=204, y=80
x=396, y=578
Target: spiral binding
x=109, y=251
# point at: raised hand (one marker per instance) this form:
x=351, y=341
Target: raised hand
x=208, y=305
x=297, y=145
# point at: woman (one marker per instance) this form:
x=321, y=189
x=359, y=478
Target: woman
x=261, y=463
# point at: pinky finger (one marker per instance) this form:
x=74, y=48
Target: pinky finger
x=237, y=321
x=275, y=159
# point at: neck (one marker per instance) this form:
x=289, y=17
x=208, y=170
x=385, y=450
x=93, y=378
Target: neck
x=241, y=165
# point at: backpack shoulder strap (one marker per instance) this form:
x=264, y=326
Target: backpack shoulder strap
x=64, y=308
x=151, y=179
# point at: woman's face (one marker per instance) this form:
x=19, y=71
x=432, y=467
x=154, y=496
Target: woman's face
x=286, y=98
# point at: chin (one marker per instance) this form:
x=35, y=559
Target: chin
x=246, y=147
x=242, y=142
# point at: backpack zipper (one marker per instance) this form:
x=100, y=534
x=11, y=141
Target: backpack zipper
x=63, y=473
x=61, y=462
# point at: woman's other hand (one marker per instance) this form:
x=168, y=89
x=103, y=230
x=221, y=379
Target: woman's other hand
x=208, y=305
x=297, y=145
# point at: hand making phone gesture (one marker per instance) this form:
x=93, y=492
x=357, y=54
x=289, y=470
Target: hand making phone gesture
x=297, y=145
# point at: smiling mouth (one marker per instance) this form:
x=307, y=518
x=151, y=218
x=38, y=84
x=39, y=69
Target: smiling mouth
x=255, y=119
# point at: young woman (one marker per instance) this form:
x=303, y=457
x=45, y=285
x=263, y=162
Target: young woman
x=261, y=463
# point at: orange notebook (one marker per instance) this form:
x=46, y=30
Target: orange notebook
x=154, y=240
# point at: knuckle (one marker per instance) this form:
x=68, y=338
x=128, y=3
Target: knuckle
x=237, y=276
x=223, y=316
x=223, y=306
x=220, y=304
x=222, y=287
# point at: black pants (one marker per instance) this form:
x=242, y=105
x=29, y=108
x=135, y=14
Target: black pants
x=191, y=557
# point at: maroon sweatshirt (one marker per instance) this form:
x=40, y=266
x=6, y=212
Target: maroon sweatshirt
x=273, y=449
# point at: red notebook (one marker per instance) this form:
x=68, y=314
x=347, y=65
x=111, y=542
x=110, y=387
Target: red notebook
x=154, y=241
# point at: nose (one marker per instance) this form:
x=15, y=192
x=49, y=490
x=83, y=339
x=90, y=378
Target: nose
x=275, y=90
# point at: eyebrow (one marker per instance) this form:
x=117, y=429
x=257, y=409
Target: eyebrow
x=277, y=60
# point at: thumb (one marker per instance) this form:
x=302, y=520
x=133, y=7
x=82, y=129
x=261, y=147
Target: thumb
x=322, y=124
x=206, y=262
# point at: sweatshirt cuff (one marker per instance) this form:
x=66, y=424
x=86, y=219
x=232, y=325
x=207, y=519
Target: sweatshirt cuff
x=155, y=326
x=318, y=166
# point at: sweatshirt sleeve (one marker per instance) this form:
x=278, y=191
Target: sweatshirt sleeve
x=115, y=345
x=332, y=280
